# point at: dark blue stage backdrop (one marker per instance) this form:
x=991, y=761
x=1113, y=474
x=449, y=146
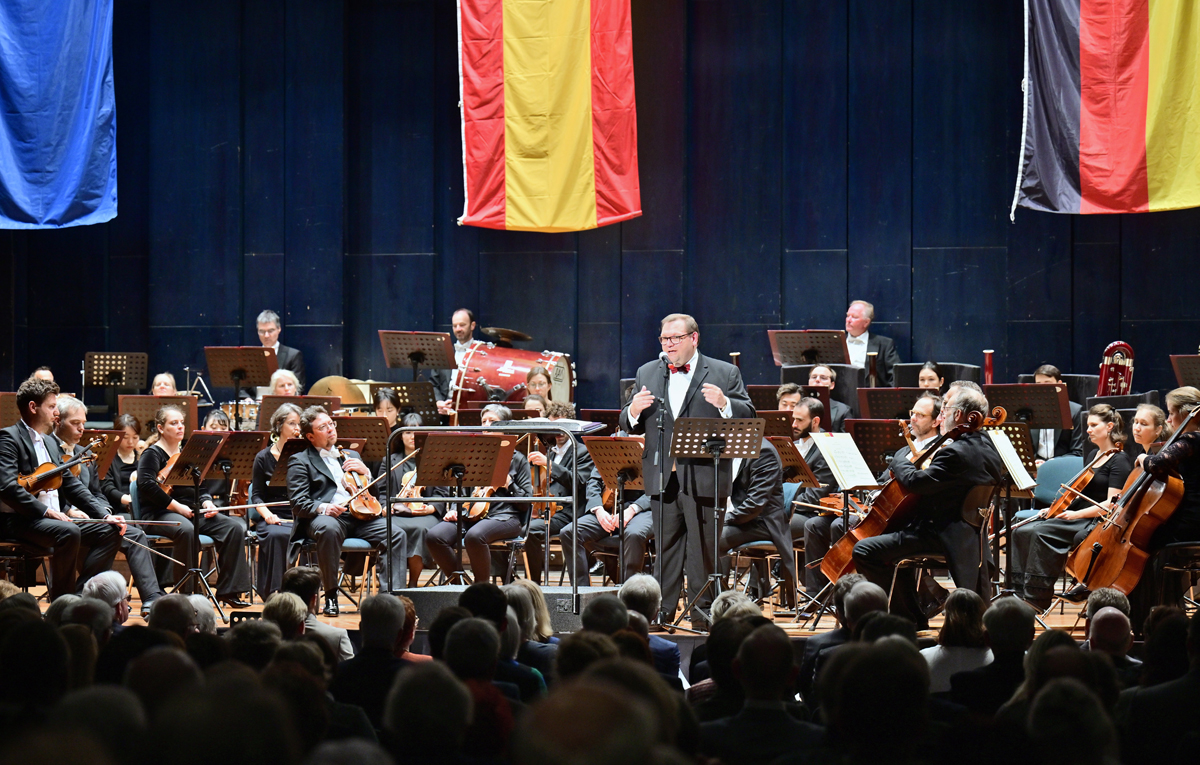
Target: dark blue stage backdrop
x=304, y=155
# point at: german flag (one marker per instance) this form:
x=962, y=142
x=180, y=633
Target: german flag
x=1112, y=106
x=548, y=113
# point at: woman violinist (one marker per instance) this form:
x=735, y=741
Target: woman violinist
x=228, y=533
x=1039, y=549
x=272, y=524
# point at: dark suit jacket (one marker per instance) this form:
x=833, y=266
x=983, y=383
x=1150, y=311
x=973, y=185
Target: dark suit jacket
x=887, y=358
x=757, y=498
x=757, y=735
x=18, y=457
x=540, y=656
x=1066, y=441
x=984, y=690
x=560, y=478
x=666, y=656
x=293, y=361
x=310, y=484
x=958, y=467
x=837, y=416
x=365, y=681
x=1158, y=717
x=441, y=383
x=695, y=475
x=808, y=663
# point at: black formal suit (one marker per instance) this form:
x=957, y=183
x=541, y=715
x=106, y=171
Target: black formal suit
x=366, y=679
x=1066, y=441
x=592, y=537
x=560, y=485
x=1158, y=718
x=760, y=732
x=293, y=361
x=936, y=525
x=24, y=517
x=688, y=497
x=813, y=647
x=310, y=485
x=838, y=412
x=887, y=358
x=758, y=514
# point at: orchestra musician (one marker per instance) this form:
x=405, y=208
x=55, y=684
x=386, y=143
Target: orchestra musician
x=755, y=513
x=387, y=406
x=1040, y=548
x=937, y=526
x=72, y=416
x=1149, y=428
x=43, y=373
x=600, y=529
x=284, y=382
x=558, y=461
x=537, y=382
x=272, y=525
x=787, y=396
x=806, y=420
x=536, y=403
x=462, y=326
x=930, y=377
x=414, y=526
x=860, y=341
x=40, y=519
x=1053, y=442
x=287, y=358
x=691, y=385
x=121, y=472
x=320, y=490
x=228, y=534
x=163, y=384
x=822, y=376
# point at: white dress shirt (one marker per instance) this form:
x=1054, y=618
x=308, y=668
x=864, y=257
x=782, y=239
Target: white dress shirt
x=858, y=349
x=460, y=351
x=330, y=457
x=47, y=498
x=1045, y=448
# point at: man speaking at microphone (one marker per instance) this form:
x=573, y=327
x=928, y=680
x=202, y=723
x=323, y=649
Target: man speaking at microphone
x=691, y=385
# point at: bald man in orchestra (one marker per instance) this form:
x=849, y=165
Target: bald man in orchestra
x=691, y=385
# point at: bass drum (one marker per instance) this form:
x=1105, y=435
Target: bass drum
x=487, y=367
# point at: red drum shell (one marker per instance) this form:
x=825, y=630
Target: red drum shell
x=506, y=368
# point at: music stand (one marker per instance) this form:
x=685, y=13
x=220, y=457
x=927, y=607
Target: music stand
x=294, y=446
x=610, y=417
x=270, y=404
x=9, y=413
x=190, y=469
x=145, y=407
x=247, y=366
x=887, y=403
x=417, y=350
x=112, y=370
x=104, y=452
x=464, y=459
x=718, y=438
x=619, y=460
x=1018, y=436
x=415, y=397
x=373, y=431
x=779, y=423
x=1039, y=406
x=808, y=346
x=795, y=469
x=1187, y=370
x=235, y=461
x=878, y=440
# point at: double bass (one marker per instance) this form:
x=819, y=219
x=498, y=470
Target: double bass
x=1115, y=551
x=892, y=507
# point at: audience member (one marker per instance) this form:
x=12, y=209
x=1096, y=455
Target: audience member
x=1068, y=724
x=962, y=642
x=472, y=652
x=721, y=695
x=578, y=651
x=544, y=630
x=674, y=723
x=863, y=601
x=880, y=624
x=427, y=714
x=34, y=682
x=486, y=601
x=642, y=595
x=576, y=722
x=529, y=682
x=410, y=633
x=126, y=646
x=532, y=651
x=1157, y=719
x=630, y=645
x=1165, y=654
x=110, y=587
x=814, y=644
x=305, y=583
x=605, y=614
x=206, y=615
x=288, y=612
x=207, y=648
x=1109, y=633
x=298, y=672
x=445, y=619
x=1009, y=626
x=253, y=642
x=54, y=611
x=173, y=613
x=81, y=652
x=94, y=614
x=112, y=715
x=161, y=675
x=366, y=679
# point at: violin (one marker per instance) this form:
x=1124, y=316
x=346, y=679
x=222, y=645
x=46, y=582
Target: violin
x=541, y=488
x=161, y=478
x=363, y=504
x=1115, y=551
x=479, y=510
x=48, y=476
x=1070, y=489
x=410, y=490
x=892, y=507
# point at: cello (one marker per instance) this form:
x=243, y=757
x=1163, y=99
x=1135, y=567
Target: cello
x=1115, y=551
x=892, y=507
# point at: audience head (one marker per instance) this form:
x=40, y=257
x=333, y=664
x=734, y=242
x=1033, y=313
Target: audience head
x=173, y=613
x=92, y=613
x=58, y=607
x=1038, y=668
x=963, y=626
x=863, y=598
x=1165, y=654
x=472, y=649
x=519, y=601
x=288, y=612
x=580, y=650
x=724, y=640
x=206, y=648
x=160, y=675
x=631, y=645
x=442, y=623
x=886, y=682
x=206, y=615
x=428, y=710
x=110, y=587
x=40, y=678
x=732, y=604
x=881, y=625
x=641, y=593
x=1106, y=597
x=840, y=590
x=639, y=679
x=1109, y=632
x=305, y=582
x=766, y=664
x=254, y=642
x=1009, y=625
x=127, y=645
x=510, y=639
x=486, y=601
x=544, y=628
x=1068, y=724
x=112, y=715
x=575, y=724
x=605, y=614
x=639, y=624
x=381, y=622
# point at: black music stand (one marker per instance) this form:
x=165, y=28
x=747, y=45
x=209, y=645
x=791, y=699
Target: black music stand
x=1039, y=406
x=878, y=440
x=610, y=417
x=717, y=438
x=795, y=469
x=779, y=422
x=415, y=397
x=1018, y=436
x=113, y=371
x=463, y=459
x=104, y=452
x=791, y=347
x=243, y=366
x=417, y=350
x=294, y=446
x=235, y=461
x=1187, y=370
x=887, y=403
x=145, y=407
x=270, y=404
x=191, y=468
x=372, y=431
x=619, y=460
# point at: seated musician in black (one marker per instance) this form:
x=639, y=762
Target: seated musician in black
x=320, y=491
x=503, y=520
x=288, y=358
x=1040, y=548
x=72, y=415
x=936, y=526
x=228, y=534
x=807, y=417
x=755, y=513
x=40, y=519
x=413, y=518
x=557, y=460
x=272, y=525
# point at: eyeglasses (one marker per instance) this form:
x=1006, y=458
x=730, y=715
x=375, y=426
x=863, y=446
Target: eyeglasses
x=915, y=413
x=270, y=331
x=673, y=340
x=326, y=427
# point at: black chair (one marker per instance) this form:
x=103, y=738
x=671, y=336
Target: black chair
x=308, y=552
x=18, y=561
x=905, y=375
x=845, y=388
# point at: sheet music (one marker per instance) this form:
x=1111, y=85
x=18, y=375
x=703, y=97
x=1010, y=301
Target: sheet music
x=845, y=460
x=1012, y=462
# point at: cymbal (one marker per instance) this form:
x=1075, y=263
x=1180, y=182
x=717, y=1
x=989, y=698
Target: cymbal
x=336, y=385
x=507, y=335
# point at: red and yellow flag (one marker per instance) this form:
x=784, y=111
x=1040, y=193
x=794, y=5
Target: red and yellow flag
x=548, y=112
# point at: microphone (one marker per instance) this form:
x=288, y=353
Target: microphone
x=662, y=356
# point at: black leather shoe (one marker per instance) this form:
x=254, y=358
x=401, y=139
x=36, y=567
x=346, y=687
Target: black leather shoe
x=233, y=601
x=331, y=606
x=1077, y=594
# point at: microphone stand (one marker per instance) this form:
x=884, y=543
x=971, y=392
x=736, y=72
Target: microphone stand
x=660, y=457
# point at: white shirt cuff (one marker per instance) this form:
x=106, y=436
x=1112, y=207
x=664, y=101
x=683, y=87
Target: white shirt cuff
x=727, y=412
